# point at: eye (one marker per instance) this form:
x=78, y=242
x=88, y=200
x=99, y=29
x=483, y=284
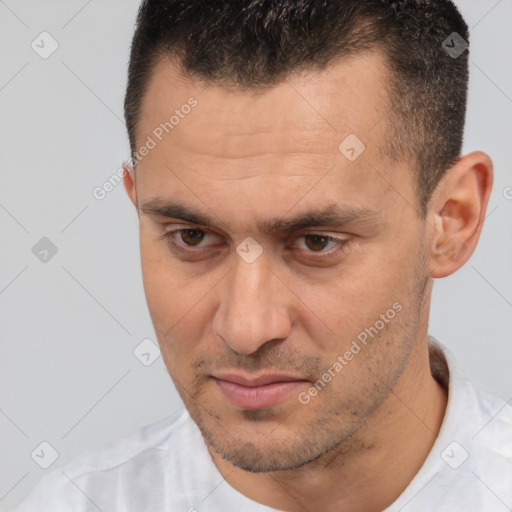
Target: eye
x=191, y=237
x=188, y=237
x=318, y=244
x=314, y=246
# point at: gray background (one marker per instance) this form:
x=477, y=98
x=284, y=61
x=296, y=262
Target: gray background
x=69, y=326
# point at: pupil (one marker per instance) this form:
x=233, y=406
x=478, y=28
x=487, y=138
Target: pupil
x=192, y=236
x=316, y=238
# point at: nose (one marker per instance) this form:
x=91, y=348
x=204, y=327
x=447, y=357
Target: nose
x=252, y=309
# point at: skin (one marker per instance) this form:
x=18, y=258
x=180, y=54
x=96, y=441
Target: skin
x=243, y=157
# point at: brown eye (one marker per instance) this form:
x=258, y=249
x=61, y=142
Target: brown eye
x=316, y=246
x=192, y=237
x=316, y=242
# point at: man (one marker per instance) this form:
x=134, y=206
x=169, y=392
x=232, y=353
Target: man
x=297, y=174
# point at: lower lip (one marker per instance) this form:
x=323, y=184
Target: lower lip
x=258, y=397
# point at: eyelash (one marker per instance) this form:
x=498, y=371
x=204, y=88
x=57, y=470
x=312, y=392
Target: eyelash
x=169, y=237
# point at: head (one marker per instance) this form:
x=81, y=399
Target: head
x=298, y=178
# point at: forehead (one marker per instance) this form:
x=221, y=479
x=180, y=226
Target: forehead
x=268, y=145
x=348, y=97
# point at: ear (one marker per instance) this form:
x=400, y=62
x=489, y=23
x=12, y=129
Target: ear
x=456, y=212
x=129, y=183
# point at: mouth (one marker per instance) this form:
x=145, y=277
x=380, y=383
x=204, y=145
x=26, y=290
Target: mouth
x=262, y=392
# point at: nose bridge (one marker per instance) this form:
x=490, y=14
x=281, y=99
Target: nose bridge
x=251, y=312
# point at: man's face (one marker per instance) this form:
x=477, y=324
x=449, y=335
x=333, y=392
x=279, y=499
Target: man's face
x=245, y=335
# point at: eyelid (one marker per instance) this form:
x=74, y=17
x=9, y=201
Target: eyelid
x=341, y=245
x=173, y=229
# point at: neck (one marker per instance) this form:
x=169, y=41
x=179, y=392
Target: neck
x=384, y=455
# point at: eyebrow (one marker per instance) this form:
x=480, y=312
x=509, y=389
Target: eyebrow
x=331, y=215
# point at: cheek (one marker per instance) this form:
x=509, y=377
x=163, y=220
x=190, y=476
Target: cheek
x=180, y=305
x=353, y=301
x=158, y=278
x=163, y=287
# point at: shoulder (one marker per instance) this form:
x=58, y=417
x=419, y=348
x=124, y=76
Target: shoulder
x=478, y=416
x=478, y=454
x=120, y=462
x=470, y=464
x=493, y=425
x=484, y=453
x=118, y=452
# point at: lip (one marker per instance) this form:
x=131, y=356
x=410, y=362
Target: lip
x=260, y=392
x=261, y=380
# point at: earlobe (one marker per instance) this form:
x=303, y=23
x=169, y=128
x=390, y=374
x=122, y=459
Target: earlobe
x=457, y=211
x=129, y=183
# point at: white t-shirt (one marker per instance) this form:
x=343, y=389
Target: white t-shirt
x=165, y=466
